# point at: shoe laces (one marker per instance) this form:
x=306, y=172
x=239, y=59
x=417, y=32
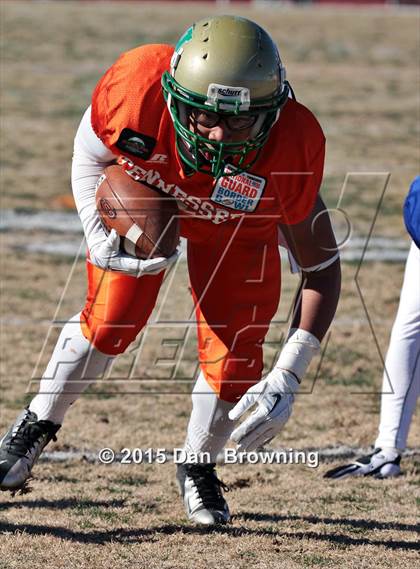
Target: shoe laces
x=208, y=485
x=29, y=432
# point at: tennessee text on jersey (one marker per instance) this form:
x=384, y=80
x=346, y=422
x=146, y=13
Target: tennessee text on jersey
x=195, y=205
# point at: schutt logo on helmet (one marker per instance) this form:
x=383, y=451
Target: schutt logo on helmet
x=227, y=92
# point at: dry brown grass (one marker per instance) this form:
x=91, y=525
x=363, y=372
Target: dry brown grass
x=104, y=517
x=355, y=70
x=90, y=515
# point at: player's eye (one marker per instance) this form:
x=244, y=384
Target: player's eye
x=205, y=118
x=241, y=122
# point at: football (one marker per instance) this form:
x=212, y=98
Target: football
x=144, y=217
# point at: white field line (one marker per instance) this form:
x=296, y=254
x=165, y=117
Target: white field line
x=52, y=221
x=379, y=248
x=325, y=454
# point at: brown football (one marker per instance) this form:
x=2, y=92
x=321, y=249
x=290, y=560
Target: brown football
x=144, y=217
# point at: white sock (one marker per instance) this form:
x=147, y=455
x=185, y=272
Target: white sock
x=73, y=366
x=209, y=427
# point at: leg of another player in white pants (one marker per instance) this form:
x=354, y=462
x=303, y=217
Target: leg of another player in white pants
x=401, y=380
x=73, y=366
x=401, y=384
x=209, y=427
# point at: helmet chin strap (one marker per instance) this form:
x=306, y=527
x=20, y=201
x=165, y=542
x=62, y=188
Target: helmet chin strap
x=258, y=125
x=201, y=159
x=183, y=117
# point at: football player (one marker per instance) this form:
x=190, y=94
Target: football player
x=212, y=122
x=402, y=366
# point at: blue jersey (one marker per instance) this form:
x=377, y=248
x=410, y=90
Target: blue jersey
x=412, y=211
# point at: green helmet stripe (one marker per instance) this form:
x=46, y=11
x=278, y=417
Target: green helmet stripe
x=186, y=37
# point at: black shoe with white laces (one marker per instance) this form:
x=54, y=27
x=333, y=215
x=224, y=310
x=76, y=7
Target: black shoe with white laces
x=202, y=494
x=379, y=464
x=20, y=448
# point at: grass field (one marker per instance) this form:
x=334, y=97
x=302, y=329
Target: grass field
x=356, y=69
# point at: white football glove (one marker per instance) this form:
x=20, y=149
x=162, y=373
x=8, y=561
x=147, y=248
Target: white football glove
x=107, y=255
x=274, y=398
x=274, y=395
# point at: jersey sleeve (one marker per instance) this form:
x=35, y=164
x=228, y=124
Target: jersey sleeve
x=412, y=211
x=306, y=188
x=129, y=95
x=303, y=153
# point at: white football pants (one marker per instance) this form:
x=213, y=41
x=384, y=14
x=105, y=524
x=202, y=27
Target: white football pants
x=401, y=379
x=73, y=366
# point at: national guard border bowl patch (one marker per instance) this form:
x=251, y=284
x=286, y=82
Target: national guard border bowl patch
x=135, y=143
x=241, y=192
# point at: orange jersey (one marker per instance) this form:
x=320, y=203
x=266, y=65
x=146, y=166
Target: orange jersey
x=130, y=116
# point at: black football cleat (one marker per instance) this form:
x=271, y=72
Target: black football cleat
x=202, y=494
x=377, y=464
x=20, y=448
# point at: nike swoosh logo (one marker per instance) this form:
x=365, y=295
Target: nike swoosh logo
x=277, y=397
